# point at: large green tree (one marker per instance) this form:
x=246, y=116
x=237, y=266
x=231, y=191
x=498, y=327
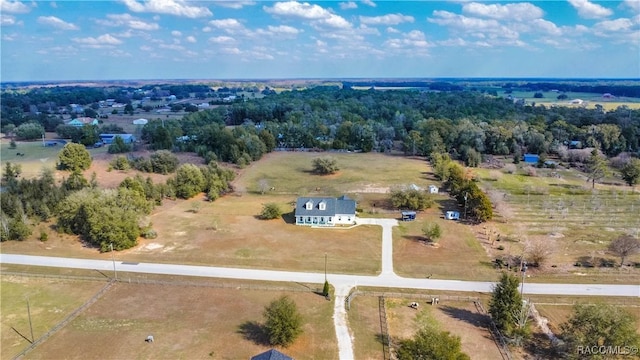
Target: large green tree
x=430, y=343
x=189, y=181
x=506, y=305
x=29, y=131
x=325, y=165
x=283, y=322
x=74, y=157
x=599, y=326
x=597, y=167
x=631, y=172
x=411, y=199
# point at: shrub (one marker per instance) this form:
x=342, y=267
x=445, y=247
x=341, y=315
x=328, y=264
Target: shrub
x=325, y=165
x=120, y=163
x=270, y=211
x=119, y=146
x=164, y=162
x=74, y=157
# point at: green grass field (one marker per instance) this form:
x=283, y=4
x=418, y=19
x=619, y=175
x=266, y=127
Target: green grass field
x=35, y=156
x=291, y=173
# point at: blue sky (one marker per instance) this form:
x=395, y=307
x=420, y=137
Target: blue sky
x=179, y=39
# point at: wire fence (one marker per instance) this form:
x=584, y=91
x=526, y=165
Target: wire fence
x=66, y=320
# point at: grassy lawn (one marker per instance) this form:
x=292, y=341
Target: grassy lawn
x=187, y=323
x=291, y=173
x=459, y=318
x=50, y=301
x=456, y=255
x=35, y=156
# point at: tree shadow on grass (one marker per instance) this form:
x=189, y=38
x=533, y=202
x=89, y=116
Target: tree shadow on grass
x=255, y=332
x=471, y=317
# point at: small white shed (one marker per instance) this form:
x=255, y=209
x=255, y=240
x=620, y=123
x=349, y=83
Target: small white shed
x=433, y=189
x=452, y=215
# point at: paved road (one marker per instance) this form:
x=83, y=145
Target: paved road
x=383, y=280
x=342, y=283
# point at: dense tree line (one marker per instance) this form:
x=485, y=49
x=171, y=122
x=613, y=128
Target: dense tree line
x=463, y=187
x=465, y=123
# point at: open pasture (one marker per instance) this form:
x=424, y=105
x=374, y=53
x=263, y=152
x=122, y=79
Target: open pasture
x=291, y=173
x=187, y=323
x=36, y=156
x=50, y=301
x=456, y=255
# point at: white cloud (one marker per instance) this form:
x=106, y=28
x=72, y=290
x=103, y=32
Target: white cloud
x=170, y=7
x=411, y=43
x=128, y=21
x=633, y=4
x=234, y=4
x=348, y=5
x=176, y=33
x=389, y=19
x=9, y=37
x=53, y=4
x=518, y=11
x=207, y=29
x=283, y=29
x=616, y=25
x=589, y=10
x=9, y=20
x=490, y=30
x=546, y=26
x=222, y=40
x=231, y=51
x=318, y=15
x=392, y=30
x=191, y=39
x=56, y=23
x=101, y=40
x=173, y=47
x=13, y=7
x=229, y=25
x=369, y=2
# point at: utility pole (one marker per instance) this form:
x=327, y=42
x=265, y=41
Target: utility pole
x=113, y=259
x=466, y=195
x=523, y=269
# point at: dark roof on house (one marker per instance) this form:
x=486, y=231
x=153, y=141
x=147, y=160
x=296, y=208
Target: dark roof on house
x=272, y=354
x=333, y=206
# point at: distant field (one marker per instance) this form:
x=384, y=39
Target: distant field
x=590, y=99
